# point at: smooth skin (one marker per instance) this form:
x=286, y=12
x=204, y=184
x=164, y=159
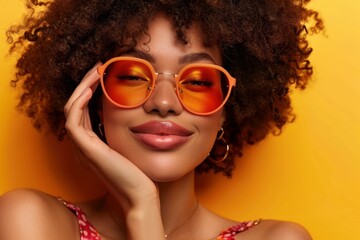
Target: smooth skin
x=151, y=193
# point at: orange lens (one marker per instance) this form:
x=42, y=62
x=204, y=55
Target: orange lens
x=127, y=83
x=203, y=89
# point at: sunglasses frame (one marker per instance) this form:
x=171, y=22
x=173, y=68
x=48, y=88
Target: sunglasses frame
x=102, y=68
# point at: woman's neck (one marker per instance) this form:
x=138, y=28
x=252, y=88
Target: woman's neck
x=178, y=202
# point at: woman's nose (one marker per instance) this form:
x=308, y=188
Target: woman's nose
x=164, y=99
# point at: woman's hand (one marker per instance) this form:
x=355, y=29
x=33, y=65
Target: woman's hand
x=136, y=193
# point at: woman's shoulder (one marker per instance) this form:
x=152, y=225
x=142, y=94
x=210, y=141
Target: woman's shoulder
x=276, y=230
x=253, y=230
x=30, y=214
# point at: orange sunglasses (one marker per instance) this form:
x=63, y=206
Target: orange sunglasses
x=201, y=88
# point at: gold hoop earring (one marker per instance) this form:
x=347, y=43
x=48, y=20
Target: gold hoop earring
x=101, y=129
x=213, y=155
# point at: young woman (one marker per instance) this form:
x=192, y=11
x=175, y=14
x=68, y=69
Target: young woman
x=174, y=88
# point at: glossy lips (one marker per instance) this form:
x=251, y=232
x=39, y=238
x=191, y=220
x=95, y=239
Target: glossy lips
x=161, y=135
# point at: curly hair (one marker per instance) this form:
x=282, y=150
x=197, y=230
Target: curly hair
x=263, y=44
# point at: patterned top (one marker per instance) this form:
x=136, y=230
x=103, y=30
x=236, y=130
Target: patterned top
x=231, y=232
x=88, y=231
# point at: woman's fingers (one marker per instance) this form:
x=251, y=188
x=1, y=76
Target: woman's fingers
x=77, y=121
x=76, y=110
x=90, y=80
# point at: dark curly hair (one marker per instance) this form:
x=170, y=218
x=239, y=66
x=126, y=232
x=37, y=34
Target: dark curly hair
x=263, y=45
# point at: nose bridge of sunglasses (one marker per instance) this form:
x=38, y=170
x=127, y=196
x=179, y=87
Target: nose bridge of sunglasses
x=165, y=79
x=166, y=74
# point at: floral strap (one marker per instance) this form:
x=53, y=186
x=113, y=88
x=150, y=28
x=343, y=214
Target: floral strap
x=87, y=230
x=230, y=233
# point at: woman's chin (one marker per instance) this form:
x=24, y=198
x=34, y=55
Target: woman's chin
x=161, y=174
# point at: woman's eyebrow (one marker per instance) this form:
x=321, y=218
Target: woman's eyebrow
x=195, y=57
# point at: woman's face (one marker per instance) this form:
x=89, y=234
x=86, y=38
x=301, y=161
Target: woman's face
x=160, y=137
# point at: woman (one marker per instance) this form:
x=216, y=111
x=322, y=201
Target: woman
x=174, y=87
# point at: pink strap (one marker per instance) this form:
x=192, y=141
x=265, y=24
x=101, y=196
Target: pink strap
x=87, y=230
x=230, y=233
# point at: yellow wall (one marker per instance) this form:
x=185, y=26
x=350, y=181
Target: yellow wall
x=309, y=174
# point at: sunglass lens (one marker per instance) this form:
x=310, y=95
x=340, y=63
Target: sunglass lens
x=127, y=83
x=203, y=89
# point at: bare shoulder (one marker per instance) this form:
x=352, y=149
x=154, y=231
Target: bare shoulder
x=30, y=214
x=278, y=230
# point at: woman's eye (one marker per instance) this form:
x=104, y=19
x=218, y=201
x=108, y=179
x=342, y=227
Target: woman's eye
x=130, y=78
x=202, y=83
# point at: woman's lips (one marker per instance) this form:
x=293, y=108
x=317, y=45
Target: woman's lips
x=161, y=135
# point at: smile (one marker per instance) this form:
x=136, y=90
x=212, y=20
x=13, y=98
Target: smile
x=161, y=135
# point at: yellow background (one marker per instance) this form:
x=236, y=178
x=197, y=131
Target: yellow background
x=310, y=174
